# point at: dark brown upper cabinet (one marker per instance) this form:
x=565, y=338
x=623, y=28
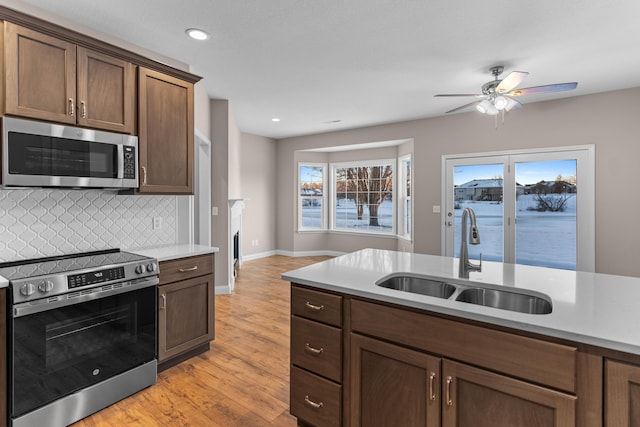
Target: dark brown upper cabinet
x=55, y=80
x=166, y=132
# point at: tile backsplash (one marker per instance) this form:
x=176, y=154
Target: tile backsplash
x=40, y=222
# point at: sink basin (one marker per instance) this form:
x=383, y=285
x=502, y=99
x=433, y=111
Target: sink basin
x=505, y=300
x=419, y=285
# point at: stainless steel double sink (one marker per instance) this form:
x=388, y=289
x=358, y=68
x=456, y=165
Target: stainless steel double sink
x=519, y=300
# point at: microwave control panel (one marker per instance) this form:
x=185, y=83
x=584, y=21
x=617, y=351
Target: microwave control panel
x=129, y=163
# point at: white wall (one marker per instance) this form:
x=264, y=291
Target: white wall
x=608, y=120
x=258, y=165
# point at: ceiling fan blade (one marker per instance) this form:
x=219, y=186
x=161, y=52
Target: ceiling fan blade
x=460, y=94
x=471, y=104
x=512, y=80
x=543, y=89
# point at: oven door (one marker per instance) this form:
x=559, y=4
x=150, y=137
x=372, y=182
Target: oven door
x=59, y=348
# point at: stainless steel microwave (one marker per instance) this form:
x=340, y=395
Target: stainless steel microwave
x=39, y=154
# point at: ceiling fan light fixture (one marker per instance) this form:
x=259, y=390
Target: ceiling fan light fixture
x=510, y=104
x=483, y=107
x=500, y=102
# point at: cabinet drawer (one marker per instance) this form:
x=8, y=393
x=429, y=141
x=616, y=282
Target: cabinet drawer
x=316, y=347
x=185, y=268
x=319, y=306
x=314, y=399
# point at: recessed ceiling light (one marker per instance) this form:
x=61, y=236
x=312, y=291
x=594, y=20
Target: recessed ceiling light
x=197, y=34
x=275, y=119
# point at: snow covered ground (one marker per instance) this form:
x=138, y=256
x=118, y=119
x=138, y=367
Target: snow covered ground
x=542, y=238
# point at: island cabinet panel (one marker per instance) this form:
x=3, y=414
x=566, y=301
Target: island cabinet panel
x=550, y=364
x=622, y=391
x=186, y=308
x=318, y=306
x=393, y=385
x=3, y=357
x=55, y=80
x=317, y=347
x=166, y=133
x=475, y=397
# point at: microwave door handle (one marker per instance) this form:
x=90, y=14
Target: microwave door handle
x=120, y=161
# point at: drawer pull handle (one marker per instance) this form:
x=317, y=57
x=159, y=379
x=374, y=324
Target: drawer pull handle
x=314, y=307
x=432, y=380
x=313, y=350
x=72, y=107
x=449, y=401
x=163, y=306
x=184, y=270
x=311, y=403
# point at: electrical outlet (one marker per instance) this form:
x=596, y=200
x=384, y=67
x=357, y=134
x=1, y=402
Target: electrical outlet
x=157, y=222
x=436, y=208
x=214, y=210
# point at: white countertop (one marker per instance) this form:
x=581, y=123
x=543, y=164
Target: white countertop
x=597, y=309
x=165, y=253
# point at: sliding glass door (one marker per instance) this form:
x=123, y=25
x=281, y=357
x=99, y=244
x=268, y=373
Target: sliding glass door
x=532, y=207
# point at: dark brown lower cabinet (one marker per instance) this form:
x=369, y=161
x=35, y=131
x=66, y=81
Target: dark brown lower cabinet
x=475, y=397
x=393, y=385
x=622, y=391
x=186, y=307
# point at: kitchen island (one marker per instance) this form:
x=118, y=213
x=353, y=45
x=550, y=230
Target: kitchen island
x=425, y=360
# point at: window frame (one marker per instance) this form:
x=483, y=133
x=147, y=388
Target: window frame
x=405, y=230
x=585, y=232
x=324, y=199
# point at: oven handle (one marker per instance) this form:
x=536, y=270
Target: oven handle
x=45, y=304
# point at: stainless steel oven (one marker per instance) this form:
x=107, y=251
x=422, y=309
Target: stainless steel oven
x=39, y=154
x=83, y=334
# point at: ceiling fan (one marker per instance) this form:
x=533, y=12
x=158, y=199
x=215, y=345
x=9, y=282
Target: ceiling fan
x=497, y=94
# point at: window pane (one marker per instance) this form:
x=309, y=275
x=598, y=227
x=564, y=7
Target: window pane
x=311, y=181
x=367, y=204
x=312, y=212
x=546, y=213
x=480, y=187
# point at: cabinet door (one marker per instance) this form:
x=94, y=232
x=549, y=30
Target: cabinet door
x=186, y=318
x=165, y=133
x=106, y=92
x=392, y=385
x=40, y=75
x=622, y=401
x=477, y=398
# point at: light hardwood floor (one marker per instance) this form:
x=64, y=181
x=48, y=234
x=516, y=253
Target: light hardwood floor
x=243, y=380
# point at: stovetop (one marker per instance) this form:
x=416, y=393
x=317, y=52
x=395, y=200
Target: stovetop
x=41, y=278
x=29, y=268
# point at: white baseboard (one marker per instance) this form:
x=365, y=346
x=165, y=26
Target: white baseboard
x=308, y=253
x=258, y=256
x=222, y=289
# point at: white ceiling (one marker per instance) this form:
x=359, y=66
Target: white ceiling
x=365, y=62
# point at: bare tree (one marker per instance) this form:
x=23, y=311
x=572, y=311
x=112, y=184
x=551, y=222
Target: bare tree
x=367, y=186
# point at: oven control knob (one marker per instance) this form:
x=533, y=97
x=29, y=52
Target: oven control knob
x=27, y=289
x=151, y=267
x=45, y=286
x=139, y=269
